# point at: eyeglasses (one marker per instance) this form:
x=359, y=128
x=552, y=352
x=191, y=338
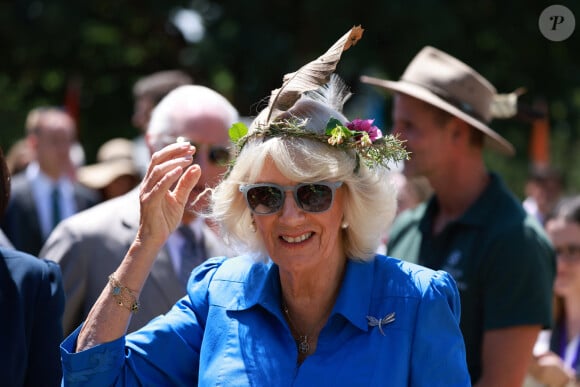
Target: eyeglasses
x=216, y=154
x=568, y=253
x=267, y=198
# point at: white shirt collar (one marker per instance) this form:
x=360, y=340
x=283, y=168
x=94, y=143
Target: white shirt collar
x=42, y=186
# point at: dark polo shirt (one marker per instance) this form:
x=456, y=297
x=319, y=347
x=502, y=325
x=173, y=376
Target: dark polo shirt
x=500, y=257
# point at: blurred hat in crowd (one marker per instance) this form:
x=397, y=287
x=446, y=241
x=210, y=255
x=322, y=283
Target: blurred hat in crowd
x=159, y=84
x=114, y=159
x=443, y=81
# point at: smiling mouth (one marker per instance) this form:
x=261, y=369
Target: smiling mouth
x=297, y=239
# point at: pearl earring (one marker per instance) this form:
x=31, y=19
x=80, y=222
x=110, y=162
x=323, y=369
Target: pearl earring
x=344, y=225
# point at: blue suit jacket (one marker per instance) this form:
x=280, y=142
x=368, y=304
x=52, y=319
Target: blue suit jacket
x=32, y=304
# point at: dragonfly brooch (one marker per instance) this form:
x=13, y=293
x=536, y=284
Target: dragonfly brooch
x=375, y=322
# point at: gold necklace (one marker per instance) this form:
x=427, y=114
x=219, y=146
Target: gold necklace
x=302, y=343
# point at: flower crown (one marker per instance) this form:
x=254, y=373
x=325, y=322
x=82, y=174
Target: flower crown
x=361, y=136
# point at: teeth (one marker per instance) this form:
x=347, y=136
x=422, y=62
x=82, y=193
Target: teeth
x=298, y=239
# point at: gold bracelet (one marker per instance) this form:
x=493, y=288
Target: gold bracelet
x=124, y=296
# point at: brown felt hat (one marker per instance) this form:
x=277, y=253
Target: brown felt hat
x=443, y=81
x=115, y=159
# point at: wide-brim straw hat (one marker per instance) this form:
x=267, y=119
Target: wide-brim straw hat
x=115, y=159
x=443, y=81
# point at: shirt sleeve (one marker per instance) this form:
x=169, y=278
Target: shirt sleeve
x=438, y=352
x=164, y=352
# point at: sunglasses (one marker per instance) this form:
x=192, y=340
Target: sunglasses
x=268, y=198
x=216, y=154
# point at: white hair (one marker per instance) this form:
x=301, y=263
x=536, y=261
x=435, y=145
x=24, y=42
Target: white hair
x=194, y=98
x=370, y=196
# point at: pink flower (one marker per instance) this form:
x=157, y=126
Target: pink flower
x=359, y=125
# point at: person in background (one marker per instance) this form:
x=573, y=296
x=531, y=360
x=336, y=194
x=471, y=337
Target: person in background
x=147, y=92
x=544, y=189
x=45, y=193
x=309, y=302
x=32, y=303
x=472, y=227
x=5, y=186
x=556, y=355
x=6, y=176
x=89, y=246
x=20, y=154
x=18, y=157
x=411, y=191
x=115, y=172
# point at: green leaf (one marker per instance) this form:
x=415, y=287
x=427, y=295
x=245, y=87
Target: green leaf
x=237, y=131
x=332, y=123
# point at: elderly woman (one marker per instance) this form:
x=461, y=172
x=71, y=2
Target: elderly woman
x=308, y=303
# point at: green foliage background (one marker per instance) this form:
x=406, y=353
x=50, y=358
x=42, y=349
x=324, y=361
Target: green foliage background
x=106, y=45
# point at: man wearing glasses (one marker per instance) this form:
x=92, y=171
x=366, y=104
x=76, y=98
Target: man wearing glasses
x=90, y=245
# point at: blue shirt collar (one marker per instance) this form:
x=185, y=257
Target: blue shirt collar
x=262, y=287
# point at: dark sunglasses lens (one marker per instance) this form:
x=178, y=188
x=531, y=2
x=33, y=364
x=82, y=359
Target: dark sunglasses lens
x=265, y=199
x=219, y=155
x=314, y=197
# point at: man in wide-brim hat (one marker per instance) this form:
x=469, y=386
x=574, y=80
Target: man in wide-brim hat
x=473, y=226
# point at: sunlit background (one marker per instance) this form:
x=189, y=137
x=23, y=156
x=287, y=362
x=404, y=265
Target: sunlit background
x=86, y=55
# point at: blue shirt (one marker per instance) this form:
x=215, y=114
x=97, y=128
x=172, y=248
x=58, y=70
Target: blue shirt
x=229, y=330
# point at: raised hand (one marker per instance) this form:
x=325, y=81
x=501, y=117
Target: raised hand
x=165, y=191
